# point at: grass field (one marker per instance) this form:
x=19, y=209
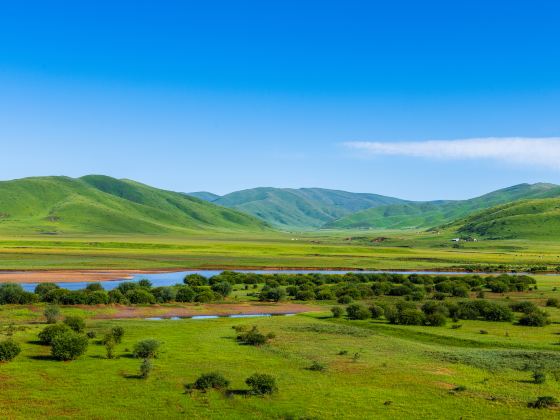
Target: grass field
x=400, y=371
x=332, y=249
x=373, y=369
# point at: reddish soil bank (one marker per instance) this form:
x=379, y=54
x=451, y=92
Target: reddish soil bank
x=220, y=309
x=66, y=276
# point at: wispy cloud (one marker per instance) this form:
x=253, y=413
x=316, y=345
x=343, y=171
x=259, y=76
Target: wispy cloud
x=518, y=150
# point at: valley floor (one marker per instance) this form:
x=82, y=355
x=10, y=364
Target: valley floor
x=334, y=250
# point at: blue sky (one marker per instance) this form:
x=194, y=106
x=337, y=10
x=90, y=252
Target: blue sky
x=221, y=95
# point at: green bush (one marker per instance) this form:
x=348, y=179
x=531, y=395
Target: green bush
x=68, y=345
x=49, y=333
x=8, y=350
x=146, y=349
x=261, y=384
x=140, y=296
x=337, y=311
x=185, y=294
x=554, y=302
x=357, y=311
x=523, y=306
x=539, y=377
x=213, y=380
x=146, y=368
x=76, y=323
x=376, y=311
x=543, y=402
x=436, y=319
x=317, y=367
x=534, y=319
x=252, y=337
x=116, y=334
x=91, y=334
x=411, y=317
x=51, y=314
x=344, y=299
x=223, y=288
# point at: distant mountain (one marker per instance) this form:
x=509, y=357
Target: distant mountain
x=434, y=213
x=204, y=195
x=100, y=204
x=304, y=208
x=526, y=219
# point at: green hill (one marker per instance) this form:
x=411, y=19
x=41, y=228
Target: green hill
x=304, y=208
x=526, y=219
x=204, y=195
x=434, y=213
x=100, y=204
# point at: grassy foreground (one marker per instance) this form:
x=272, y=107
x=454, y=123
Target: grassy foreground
x=399, y=371
x=396, y=250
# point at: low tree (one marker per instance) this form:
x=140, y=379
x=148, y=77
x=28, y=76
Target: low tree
x=210, y=380
x=262, y=384
x=110, y=347
x=146, y=368
x=49, y=333
x=68, y=346
x=543, y=402
x=116, y=333
x=9, y=350
x=253, y=337
x=76, y=323
x=337, y=311
x=146, y=349
x=376, y=311
x=52, y=313
x=357, y=311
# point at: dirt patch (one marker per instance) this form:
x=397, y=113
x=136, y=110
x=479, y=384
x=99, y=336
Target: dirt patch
x=220, y=309
x=68, y=276
x=444, y=385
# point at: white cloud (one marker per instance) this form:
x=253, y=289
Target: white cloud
x=518, y=150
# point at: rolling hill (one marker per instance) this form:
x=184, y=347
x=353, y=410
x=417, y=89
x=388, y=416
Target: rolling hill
x=434, y=213
x=304, y=208
x=526, y=219
x=204, y=195
x=101, y=204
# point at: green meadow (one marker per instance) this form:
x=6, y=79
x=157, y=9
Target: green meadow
x=395, y=250
x=372, y=370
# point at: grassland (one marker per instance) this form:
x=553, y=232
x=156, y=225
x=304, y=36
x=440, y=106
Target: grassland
x=399, y=371
x=396, y=250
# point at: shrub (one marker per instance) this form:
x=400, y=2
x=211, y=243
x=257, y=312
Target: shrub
x=185, y=294
x=117, y=334
x=110, y=347
x=261, y=384
x=14, y=293
x=116, y=296
x=195, y=280
x=68, y=345
x=49, y=333
x=205, y=296
x=543, y=402
x=344, y=299
x=534, y=319
x=337, y=311
x=524, y=306
x=8, y=350
x=252, y=337
x=145, y=283
x=376, y=311
x=52, y=313
x=222, y=288
x=146, y=349
x=539, y=377
x=43, y=288
x=554, y=302
x=145, y=368
x=483, y=332
x=140, y=296
x=436, y=319
x=274, y=294
x=91, y=334
x=317, y=367
x=76, y=323
x=213, y=380
x=357, y=311
x=411, y=317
